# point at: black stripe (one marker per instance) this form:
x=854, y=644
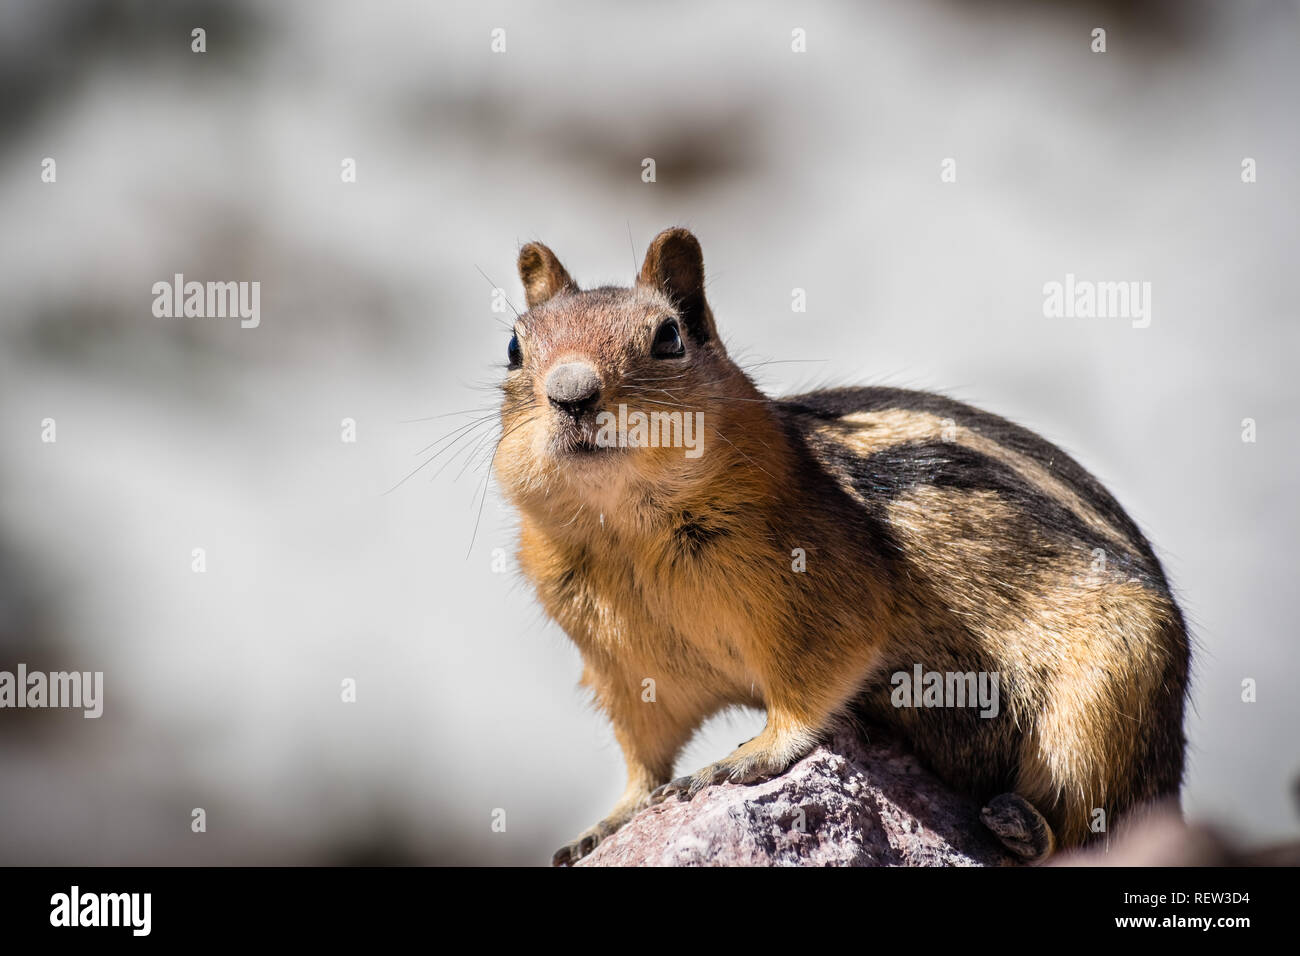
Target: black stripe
x=833, y=404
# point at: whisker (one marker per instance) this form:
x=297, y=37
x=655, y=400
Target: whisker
x=467, y=426
x=487, y=477
x=459, y=435
x=431, y=418
x=503, y=291
x=718, y=432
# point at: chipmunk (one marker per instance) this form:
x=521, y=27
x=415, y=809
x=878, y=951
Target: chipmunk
x=820, y=546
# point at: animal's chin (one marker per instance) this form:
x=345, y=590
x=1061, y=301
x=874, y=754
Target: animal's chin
x=579, y=446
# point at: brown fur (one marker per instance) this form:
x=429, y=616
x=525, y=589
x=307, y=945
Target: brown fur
x=933, y=533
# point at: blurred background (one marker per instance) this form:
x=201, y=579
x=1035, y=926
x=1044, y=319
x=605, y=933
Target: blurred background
x=817, y=170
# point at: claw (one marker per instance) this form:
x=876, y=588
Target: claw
x=571, y=853
x=679, y=787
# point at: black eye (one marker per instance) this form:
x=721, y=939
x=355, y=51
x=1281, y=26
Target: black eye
x=668, y=341
x=514, y=354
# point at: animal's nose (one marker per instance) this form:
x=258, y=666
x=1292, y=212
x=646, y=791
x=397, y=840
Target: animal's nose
x=573, y=387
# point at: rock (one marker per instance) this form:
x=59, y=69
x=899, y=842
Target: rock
x=857, y=803
x=848, y=803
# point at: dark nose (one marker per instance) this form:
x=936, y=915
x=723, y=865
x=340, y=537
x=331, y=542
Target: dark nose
x=573, y=387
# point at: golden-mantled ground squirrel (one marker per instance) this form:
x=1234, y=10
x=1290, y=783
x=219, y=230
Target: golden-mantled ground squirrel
x=866, y=554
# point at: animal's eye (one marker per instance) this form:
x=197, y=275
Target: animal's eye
x=514, y=354
x=668, y=341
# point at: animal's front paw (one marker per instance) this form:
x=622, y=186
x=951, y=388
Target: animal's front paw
x=575, y=850
x=589, y=839
x=746, y=765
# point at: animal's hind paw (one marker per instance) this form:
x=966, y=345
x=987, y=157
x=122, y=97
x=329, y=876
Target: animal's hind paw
x=1019, y=826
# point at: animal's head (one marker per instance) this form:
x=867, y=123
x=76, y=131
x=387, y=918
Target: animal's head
x=615, y=390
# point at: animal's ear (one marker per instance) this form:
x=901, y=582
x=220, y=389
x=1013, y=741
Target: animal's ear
x=675, y=263
x=542, y=274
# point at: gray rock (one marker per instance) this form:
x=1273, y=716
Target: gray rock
x=848, y=803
